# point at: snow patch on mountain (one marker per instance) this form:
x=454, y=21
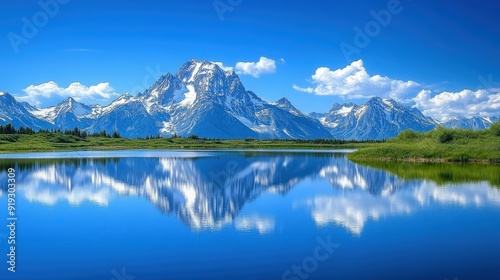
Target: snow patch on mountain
x=344, y=111
x=189, y=97
x=195, y=71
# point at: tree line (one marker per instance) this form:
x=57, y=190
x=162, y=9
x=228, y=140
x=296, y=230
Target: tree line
x=10, y=129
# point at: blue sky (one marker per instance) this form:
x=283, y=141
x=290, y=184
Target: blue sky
x=428, y=54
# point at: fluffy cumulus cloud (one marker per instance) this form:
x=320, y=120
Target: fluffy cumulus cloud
x=468, y=103
x=256, y=69
x=353, y=82
x=43, y=94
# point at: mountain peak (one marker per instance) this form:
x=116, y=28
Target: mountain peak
x=71, y=105
x=376, y=99
x=164, y=91
x=383, y=102
x=284, y=101
x=7, y=97
x=342, y=109
x=4, y=93
x=70, y=101
x=286, y=105
x=191, y=70
x=125, y=96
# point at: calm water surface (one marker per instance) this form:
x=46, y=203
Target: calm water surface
x=248, y=215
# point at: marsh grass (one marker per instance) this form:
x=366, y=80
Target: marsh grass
x=441, y=144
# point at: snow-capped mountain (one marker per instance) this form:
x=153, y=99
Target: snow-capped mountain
x=128, y=116
x=66, y=115
x=376, y=119
x=17, y=113
x=470, y=123
x=203, y=99
x=200, y=98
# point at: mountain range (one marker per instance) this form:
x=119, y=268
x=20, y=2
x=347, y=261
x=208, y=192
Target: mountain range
x=203, y=99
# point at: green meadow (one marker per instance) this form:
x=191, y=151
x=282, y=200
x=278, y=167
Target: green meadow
x=48, y=141
x=441, y=144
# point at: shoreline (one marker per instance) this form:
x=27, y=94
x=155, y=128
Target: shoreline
x=347, y=148
x=437, y=146
x=426, y=160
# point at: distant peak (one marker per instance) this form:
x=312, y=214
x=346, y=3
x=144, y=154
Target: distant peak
x=375, y=99
x=166, y=77
x=337, y=106
x=382, y=101
x=283, y=101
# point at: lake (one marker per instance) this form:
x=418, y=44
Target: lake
x=247, y=215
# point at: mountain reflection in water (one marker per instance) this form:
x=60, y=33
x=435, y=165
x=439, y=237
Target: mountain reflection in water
x=208, y=192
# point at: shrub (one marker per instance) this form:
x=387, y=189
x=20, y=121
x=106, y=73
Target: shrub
x=407, y=135
x=445, y=135
x=495, y=128
x=61, y=139
x=9, y=138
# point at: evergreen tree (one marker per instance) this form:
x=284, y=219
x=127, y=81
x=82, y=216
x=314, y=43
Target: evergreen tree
x=9, y=129
x=76, y=132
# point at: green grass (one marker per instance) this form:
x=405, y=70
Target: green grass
x=43, y=142
x=454, y=145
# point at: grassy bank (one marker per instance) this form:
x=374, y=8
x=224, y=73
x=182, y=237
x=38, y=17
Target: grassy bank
x=440, y=145
x=48, y=141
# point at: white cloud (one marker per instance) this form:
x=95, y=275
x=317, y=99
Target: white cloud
x=101, y=93
x=353, y=81
x=307, y=90
x=353, y=209
x=262, y=224
x=256, y=69
x=446, y=105
x=225, y=68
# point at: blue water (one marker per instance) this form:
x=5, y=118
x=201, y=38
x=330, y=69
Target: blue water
x=242, y=215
